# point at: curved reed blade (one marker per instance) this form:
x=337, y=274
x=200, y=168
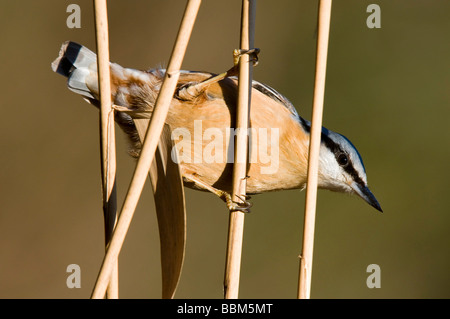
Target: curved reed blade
x=168, y=192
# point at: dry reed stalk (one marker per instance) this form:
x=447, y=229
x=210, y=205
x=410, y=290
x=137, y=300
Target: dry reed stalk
x=236, y=222
x=304, y=285
x=148, y=148
x=107, y=135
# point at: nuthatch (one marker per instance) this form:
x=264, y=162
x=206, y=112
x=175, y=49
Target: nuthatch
x=201, y=115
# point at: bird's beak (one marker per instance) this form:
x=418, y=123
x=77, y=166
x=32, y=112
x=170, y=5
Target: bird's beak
x=364, y=192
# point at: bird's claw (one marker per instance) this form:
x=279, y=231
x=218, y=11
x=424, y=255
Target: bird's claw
x=253, y=53
x=243, y=206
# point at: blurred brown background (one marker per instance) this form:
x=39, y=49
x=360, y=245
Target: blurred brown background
x=387, y=90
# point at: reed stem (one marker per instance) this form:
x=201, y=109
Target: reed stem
x=107, y=135
x=236, y=222
x=305, y=271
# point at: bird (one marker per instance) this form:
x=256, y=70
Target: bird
x=201, y=117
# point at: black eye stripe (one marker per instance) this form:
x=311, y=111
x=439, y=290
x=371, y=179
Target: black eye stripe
x=337, y=151
x=354, y=174
x=332, y=146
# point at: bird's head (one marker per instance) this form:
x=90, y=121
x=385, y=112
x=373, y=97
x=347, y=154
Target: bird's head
x=341, y=168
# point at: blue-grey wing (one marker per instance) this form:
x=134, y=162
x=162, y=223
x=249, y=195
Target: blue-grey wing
x=273, y=94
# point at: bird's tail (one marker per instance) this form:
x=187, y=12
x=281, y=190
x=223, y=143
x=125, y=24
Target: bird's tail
x=79, y=65
x=130, y=88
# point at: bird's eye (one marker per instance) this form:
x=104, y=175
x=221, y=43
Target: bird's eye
x=342, y=159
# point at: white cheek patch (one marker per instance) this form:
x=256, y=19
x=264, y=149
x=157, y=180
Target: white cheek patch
x=330, y=173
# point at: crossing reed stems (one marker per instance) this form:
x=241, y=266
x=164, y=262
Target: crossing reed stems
x=149, y=147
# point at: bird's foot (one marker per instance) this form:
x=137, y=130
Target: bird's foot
x=242, y=206
x=253, y=53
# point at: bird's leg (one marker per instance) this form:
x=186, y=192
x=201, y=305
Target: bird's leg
x=192, y=90
x=244, y=206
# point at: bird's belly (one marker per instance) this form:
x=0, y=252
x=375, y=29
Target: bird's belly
x=219, y=176
x=204, y=141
